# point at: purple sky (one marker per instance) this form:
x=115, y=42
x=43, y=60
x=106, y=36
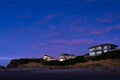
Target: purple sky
x=33, y=28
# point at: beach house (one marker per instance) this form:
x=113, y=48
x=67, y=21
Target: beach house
x=102, y=48
x=64, y=57
x=49, y=58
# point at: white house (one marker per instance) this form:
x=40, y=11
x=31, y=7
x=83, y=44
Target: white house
x=49, y=58
x=64, y=57
x=102, y=48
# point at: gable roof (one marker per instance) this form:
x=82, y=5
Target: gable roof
x=65, y=54
x=103, y=45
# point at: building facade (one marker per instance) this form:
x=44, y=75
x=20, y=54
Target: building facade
x=49, y=58
x=64, y=57
x=103, y=48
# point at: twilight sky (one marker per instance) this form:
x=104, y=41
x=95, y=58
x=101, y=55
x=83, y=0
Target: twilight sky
x=33, y=28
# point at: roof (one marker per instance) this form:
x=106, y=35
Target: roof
x=87, y=54
x=45, y=55
x=103, y=45
x=65, y=54
x=49, y=56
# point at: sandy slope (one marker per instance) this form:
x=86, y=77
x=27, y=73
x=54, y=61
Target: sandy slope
x=59, y=74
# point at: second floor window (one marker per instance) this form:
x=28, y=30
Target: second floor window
x=98, y=48
x=105, y=47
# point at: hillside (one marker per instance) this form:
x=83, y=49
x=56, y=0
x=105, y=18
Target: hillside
x=107, y=64
x=111, y=58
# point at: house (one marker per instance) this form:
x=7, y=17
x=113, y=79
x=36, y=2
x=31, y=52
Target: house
x=102, y=48
x=64, y=57
x=49, y=58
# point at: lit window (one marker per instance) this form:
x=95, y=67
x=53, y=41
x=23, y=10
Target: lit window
x=99, y=52
x=92, y=54
x=105, y=51
x=92, y=49
x=98, y=48
x=105, y=47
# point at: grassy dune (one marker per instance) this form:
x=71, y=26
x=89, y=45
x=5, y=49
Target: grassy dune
x=39, y=65
x=100, y=63
x=108, y=63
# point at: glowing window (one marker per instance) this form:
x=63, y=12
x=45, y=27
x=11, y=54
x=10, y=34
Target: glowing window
x=92, y=53
x=105, y=47
x=105, y=51
x=99, y=52
x=92, y=49
x=98, y=48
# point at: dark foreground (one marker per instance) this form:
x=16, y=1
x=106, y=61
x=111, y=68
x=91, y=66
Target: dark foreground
x=75, y=74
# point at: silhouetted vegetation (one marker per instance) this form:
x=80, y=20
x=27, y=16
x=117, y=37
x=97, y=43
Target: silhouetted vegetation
x=109, y=55
x=14, y=63
x=2, y=67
